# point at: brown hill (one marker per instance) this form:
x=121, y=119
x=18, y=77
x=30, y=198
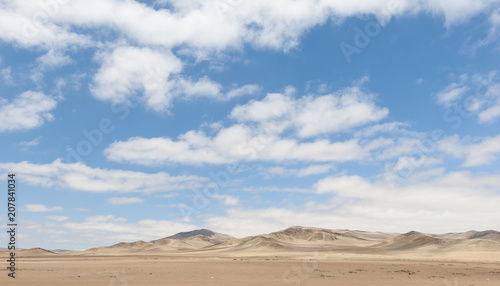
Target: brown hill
x=487, y=235
x=202, y=232
x=305, y=233
x=183, y=241
x=35, y=251
x=410, y=240
x=299, y=239
x=193, y=239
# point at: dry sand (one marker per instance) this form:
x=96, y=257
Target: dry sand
x=172, y=270
x=295, y=256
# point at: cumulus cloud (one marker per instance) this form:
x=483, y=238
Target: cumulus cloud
x=26, y=111
x=236, y=143
x=153, y=77
x=128, y=70
x=205, y=24
x=476, y=152
x=311, y=116
x=139, y=59
x=262, y=133
x=78, y=176
x=54, y=58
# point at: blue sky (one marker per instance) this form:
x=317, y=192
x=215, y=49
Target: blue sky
x=128, y=120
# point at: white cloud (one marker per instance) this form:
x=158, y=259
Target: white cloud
x=111, y=229
x=409, y=168
x=307, y=171
x=261, y=135
x=29, y=25
x=314, y=170
x=311, y=116
x=403, y=146
x=491, y=99
x=201, y=88
x=7, y=76
x=124, y=200
x=228, y=200
x=205, y=24
x=153, y=77
x=54, y=58
x=57, y=218
x=476, y=152
x=25, y=145
x=249, y=89
x=451, y=94
x=493, y=34
x=273, y=106
x=390, y=127
x=478, y=94
x=437, y=193
x=78, y=176
x=150, y=71
x=41, y=208
x=236, y=143
x=457, y=11
x=129, y=70
x=26, y=111
x=274, y=189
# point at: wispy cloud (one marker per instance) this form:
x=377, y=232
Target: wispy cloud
x=25, y=145
x=41, y=208
x=57, y=218
x=78, y=176
x=124, y=200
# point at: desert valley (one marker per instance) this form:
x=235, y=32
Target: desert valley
x=294, y=256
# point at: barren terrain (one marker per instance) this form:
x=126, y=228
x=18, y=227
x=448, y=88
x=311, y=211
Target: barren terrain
x=295, y=256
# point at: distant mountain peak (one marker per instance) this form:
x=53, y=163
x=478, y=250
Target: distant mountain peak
x=186, y=234
x=306, y=233
x=410, y=233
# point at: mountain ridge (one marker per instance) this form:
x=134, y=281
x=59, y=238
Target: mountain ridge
x=299, y=238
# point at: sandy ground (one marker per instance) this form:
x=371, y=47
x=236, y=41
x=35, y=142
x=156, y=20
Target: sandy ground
x=272, y=270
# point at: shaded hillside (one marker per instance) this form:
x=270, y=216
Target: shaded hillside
x=203, y=232
x=35, y=251
x=305, y=233
x=299, y=239
x=487, y=234
x=410, y=240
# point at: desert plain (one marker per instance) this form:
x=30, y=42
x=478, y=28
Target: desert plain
x=294, y=256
